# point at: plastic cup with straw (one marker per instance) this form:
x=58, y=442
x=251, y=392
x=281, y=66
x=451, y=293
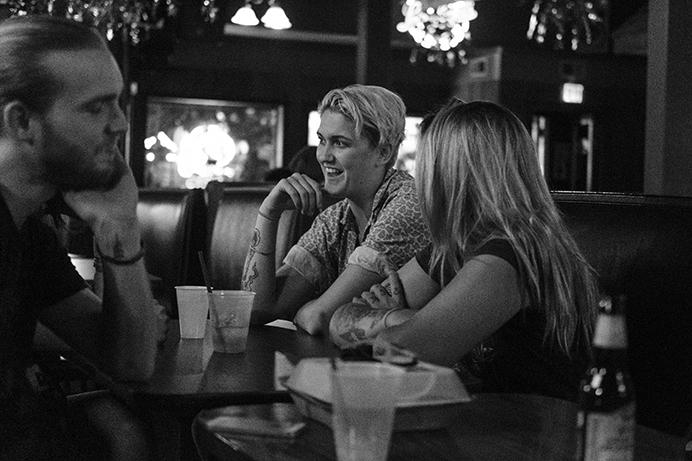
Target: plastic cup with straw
x=230, y=312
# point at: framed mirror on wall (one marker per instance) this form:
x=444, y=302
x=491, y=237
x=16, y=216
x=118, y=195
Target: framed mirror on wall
x=189, y=142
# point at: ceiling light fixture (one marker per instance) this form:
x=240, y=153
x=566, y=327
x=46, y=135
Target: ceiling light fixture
x=439, y=28
x=245, y=16
x=569, y=24
x=134, y=18
x=275, y=17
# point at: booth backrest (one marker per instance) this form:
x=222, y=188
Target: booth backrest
x=232, y=214
x=173, y=225
x=642, y=246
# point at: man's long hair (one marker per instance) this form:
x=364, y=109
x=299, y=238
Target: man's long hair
x=24, y=41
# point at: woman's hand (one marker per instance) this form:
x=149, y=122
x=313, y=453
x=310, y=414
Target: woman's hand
x=386, y=295
x=298, y=191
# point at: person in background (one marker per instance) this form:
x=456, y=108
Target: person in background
x=503, y=278
x=277, y=174
x=60, y=127
x=376, y=226
x=305, y=161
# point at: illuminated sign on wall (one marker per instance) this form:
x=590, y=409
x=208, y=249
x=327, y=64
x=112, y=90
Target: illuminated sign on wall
x=572, y=93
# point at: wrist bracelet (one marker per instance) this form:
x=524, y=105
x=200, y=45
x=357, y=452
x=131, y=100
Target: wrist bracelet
x=124, y=262
x=259, y=212
x=386, y=314
x=263, y=253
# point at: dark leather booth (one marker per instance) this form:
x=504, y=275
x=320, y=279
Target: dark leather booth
x=232, y=211
x=173, y=226
x=639, y=245
x=642, y=246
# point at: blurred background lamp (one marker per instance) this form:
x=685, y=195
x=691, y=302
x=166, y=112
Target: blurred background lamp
x=572, y=93
x=245, y=16
x=275, y=17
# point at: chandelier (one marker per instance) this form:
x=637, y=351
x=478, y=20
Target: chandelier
x=439, y=28
x=569, y=24
x=135, y=17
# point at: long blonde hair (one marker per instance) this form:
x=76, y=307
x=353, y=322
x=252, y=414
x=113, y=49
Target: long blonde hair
x=479, y=179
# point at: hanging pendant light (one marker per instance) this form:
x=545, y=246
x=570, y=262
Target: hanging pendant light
x=275, y=17
x=245, y=16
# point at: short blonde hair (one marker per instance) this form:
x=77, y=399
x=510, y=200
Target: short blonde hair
x=378, y=114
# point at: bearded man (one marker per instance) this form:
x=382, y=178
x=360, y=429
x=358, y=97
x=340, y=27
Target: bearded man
x=60, y=125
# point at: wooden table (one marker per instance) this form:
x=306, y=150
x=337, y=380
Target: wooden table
x=491, y=427
x=189, y=376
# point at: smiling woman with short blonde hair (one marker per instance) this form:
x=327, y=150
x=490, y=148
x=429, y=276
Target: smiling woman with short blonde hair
x=374, y=228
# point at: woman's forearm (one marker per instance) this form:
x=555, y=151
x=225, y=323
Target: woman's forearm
x=356, y=322
x=259, y=271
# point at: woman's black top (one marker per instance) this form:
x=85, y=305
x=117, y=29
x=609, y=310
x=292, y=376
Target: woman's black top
x=516, y=358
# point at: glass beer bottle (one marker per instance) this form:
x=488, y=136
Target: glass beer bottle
x=606, y=417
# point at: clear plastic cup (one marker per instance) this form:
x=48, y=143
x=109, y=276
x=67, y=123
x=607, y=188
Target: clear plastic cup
x=230, y=319
x=193, y=305
x=364, y=396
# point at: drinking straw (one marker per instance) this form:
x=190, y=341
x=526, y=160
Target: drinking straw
x=205, y=274
x=207, y=282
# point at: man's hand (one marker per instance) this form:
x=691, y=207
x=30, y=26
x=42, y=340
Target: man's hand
x=111, y=215
x=116, y=204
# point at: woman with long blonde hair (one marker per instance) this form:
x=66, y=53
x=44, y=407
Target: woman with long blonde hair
x=502, y=276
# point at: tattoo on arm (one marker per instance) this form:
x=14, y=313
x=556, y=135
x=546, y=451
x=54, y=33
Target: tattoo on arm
x=249, y=277
x=358, y=322
x=255, y=238
x=255, y=242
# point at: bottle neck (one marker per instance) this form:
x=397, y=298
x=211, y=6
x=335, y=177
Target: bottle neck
x=611, y=332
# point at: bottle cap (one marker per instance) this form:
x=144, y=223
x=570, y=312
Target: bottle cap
x=613, y=306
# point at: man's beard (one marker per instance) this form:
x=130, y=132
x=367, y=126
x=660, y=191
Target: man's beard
x=71, y=169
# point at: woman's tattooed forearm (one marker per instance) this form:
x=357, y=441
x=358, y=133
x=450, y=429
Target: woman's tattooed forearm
x=357, y=322
x=249, y=276
x=250, y=272
x=255, y=243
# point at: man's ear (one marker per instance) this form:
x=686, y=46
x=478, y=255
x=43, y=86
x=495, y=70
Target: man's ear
x=18, y=121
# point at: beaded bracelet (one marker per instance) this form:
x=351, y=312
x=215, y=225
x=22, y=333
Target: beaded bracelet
x=124, y=262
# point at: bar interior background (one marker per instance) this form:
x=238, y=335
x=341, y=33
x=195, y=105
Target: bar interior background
x=632, y=131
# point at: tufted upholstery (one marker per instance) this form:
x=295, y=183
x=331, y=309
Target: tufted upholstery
x=642, y=246
x=173, y=225
x=232, y=214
